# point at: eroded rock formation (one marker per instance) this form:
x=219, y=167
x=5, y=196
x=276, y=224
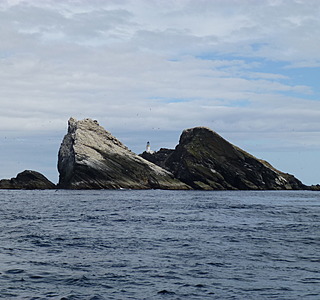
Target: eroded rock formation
x=91, y=158
x=27, y=180
x=204, y=160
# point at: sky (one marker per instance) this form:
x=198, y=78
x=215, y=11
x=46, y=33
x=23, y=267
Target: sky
x=148, y=69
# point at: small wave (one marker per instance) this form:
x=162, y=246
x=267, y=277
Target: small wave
x=166, y=292
x=159, y=245
x=15, y=271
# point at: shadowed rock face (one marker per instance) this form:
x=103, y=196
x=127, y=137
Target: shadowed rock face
x=91, y=158
x=159, y=157
x=27, y=180
x=204, y=160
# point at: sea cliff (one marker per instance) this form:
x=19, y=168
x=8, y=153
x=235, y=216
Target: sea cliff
x=204, y=160
x=91, y=158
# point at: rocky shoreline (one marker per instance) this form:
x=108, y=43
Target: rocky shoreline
x=91, y=158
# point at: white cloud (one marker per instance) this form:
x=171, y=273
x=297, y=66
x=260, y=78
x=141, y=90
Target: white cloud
x=145, y=66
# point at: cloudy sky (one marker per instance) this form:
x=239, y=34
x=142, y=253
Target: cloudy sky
x=147, y=69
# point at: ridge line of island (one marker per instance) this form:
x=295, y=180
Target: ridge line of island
x=90, y=157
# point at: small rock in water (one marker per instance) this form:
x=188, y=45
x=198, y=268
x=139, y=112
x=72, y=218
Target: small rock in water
x=165, y=292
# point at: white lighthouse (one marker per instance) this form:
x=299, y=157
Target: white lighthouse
x=148, y=149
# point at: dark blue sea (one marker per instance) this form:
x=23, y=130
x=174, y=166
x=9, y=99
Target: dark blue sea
x=159, y=245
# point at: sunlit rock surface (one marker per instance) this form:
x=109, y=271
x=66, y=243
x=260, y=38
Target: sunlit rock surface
x=91, y=158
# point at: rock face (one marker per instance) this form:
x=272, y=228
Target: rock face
x=91, y=158
x=27, y=180
x=204, y=160
x=159, y=158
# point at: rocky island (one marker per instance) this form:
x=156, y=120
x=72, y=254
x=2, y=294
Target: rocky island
x=206, y=161
x=27, y=180
x=90, y=157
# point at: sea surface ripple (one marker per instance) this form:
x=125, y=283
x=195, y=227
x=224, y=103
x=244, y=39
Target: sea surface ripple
x=156, y=244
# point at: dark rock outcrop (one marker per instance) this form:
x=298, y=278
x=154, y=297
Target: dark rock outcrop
x=91, y=158
x=315, y=187
x=159, y=158
x=204, y=160
x=27, y=180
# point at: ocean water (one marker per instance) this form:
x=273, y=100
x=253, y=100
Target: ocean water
x=159, y=245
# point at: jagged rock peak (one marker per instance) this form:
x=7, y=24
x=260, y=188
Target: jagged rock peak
x=91, y=158
x=205, y=139
x=205, y=160
x=190, y=133
x=92, y=125
x=197, y=129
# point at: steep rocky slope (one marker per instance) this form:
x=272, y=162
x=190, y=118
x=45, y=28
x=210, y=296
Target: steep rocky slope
x=91, y=158
x=204, y=160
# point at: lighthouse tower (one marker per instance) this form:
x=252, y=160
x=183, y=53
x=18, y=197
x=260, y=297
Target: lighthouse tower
x=148, y=149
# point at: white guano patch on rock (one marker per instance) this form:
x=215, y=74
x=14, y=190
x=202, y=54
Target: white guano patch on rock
x=92, y=153
x=280, y=180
